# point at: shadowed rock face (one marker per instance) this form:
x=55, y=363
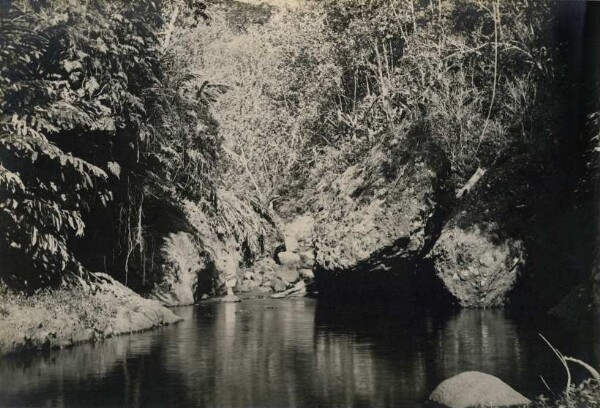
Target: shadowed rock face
x=180, y=271
x=382, y=212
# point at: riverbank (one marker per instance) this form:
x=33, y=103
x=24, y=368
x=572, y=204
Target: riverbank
x=59, y=318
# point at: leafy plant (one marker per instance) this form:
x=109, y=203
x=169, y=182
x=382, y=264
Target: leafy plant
x=93, y=110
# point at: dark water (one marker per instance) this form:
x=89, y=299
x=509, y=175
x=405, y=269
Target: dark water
x=296, y=353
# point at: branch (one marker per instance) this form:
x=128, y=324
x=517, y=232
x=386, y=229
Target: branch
x=588, y=367
x=563, y=361
x=479, y=173
x=465, y=50
x=496, y=15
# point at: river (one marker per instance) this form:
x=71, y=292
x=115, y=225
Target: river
x=304, y=353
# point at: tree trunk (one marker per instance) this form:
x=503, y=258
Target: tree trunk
x=595, y=279
x=591, y=70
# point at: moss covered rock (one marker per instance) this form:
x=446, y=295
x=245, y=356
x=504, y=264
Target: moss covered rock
x=57, y=318
x=477, y=265
x=182, y=264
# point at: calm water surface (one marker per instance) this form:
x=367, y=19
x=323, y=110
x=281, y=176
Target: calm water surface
x=267, y=353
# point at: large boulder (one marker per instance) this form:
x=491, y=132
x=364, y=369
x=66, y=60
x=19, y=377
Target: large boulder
x=383, y=211
x=289, y=258
x=218, y=245
x=513, y=232
x=576, y=305
x=476, y=389
x=477, y=265
x=299, y=232
x=181, y=265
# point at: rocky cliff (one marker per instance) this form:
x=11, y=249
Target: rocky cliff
x=384, y=211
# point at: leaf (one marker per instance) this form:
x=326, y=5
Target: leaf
x=71, y=222
x=70, y=66
x=91, y=85
x=114, y=169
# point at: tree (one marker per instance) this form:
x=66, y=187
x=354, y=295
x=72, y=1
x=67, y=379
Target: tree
x=91, y=108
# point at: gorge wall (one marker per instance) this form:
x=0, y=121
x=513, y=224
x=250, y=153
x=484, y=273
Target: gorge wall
x=408, y=193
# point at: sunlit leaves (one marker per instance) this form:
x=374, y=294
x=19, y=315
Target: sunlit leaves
x=10, y=181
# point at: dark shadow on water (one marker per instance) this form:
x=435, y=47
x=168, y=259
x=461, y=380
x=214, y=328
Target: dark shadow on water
x=297, y=353
x=414, y=284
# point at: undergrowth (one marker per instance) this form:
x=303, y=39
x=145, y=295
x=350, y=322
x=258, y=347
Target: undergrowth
x=584, y=395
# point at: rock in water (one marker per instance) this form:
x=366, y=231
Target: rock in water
x=298, y=290
x=382, y=211
x=577, y=305
x=475, y=389
x=279, y=285
x=477, y=265
x=308, y=258
x=307, y=274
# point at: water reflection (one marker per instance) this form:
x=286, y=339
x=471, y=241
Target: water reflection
x=394, y=356
x=295, y=353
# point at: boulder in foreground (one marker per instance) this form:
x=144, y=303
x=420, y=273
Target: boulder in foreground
x=476, y=389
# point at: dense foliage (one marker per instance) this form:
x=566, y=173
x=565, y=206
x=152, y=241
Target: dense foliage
x=95, y=111
x=275, y=72
x=474, y=72
x=312, y=89
x=113, y=114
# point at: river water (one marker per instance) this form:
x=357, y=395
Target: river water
x=268, y=353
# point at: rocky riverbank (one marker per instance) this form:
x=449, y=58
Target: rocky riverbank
x=58, y=318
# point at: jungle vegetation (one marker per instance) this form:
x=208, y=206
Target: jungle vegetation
x=99, y=118
x=114, y=114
